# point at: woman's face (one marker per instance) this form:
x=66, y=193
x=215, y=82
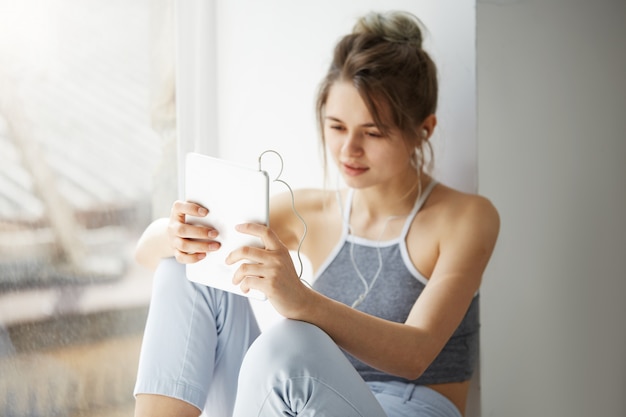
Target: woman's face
x=363, y=155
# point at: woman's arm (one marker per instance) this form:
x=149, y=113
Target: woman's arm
x=403, y=349
x=153, y=245
x=406, y=350
x=167, y=237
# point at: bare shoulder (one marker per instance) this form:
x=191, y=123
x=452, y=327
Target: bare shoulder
x=456, y=235
x=306, y=200
x=310, y=204
x=463, y=206
x=459, y=212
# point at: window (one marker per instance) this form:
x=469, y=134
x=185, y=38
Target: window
x=86, y=114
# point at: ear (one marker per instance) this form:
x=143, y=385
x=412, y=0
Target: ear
x=427, y=127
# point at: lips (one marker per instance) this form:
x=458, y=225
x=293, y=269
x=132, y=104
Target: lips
x=353, y=169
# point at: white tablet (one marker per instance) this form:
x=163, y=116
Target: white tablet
x=233, y=194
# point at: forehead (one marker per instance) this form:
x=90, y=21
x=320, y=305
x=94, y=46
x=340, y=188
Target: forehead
x=345, y=103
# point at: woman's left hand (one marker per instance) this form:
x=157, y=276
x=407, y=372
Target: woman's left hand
x=269, y=270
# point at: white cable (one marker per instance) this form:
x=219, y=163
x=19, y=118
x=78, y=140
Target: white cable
x=293, y=207
x=369, y=286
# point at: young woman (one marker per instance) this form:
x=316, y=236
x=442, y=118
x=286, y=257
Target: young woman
x=390, y=327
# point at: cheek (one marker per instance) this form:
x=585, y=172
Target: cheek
x=396, y=159
x=333, y=143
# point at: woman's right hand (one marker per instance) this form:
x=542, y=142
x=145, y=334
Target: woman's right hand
x=190, y=242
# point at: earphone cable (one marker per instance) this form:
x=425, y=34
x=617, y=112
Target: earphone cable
x=293, y=207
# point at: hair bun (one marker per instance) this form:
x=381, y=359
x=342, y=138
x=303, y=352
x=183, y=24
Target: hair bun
x=395, y=26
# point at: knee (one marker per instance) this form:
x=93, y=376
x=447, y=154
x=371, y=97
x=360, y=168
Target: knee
x=288, y=348
x=170, y=281
x=169, y=273
x=170, y=285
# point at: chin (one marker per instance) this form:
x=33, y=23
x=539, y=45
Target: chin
x=356, y=183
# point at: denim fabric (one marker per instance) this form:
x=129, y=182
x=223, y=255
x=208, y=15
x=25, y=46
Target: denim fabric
x=194, y=341
x=404, y=399
x=202, y=346
x=294, y=368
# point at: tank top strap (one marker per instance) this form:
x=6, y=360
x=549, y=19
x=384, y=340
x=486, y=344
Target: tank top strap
x=347, y=208
x=418, y=205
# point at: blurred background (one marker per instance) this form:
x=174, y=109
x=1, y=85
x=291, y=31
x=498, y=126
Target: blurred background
x=81, y=136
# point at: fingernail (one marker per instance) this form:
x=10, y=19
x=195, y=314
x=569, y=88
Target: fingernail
x=202, y=211
x=212, y=234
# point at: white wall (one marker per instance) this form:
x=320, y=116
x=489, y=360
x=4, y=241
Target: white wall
x=272, y=54
x=552, y=152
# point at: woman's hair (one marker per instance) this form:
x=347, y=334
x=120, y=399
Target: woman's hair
x=384, y=60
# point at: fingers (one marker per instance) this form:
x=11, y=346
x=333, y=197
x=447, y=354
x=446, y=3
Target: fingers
x=191, y=242
x=255, y=265
x=261, y=268
x=191, y=246
x=269, y=238
x=249, y=282
x=189, y=258
x=178, y=214
x=182, y=208
x=247, y=253
x=191, y=231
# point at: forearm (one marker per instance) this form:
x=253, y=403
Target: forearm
x=395, y=348
x=153, y=244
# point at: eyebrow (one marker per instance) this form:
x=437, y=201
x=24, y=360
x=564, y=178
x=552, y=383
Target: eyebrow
x=334, y=119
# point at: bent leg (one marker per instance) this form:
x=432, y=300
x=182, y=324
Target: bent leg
x=194, y=342
x=295, y=368
x=406, y=399
x=157, y=405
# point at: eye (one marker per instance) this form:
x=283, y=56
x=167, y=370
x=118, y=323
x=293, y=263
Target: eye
x=374, y=134
x=339, y=128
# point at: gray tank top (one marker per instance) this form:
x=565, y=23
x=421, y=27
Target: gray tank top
x=392, y=296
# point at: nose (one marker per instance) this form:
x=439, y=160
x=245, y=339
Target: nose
x=353, y=145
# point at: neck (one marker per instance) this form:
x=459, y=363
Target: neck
x=383, y=201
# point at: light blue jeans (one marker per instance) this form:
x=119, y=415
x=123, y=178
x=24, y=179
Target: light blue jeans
x=203, y=346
